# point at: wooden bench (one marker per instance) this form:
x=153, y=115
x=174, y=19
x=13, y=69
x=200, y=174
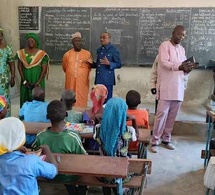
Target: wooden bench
x=90, y=167
x=144, y=137
x=35, y=128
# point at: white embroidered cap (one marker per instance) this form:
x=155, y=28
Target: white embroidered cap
x=76, y=34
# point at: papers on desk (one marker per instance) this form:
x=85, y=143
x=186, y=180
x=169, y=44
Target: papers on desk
x=80, y=127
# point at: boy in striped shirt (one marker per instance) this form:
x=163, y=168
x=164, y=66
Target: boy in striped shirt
x=61, y=140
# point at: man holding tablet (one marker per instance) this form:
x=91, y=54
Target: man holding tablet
x=172, y=68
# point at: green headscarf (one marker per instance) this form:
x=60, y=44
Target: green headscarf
x=35, y=37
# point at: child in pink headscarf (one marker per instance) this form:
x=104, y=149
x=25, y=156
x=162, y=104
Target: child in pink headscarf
x=98, y=95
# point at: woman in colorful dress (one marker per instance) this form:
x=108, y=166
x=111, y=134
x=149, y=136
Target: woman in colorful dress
x=7, y=70
x=32, y=65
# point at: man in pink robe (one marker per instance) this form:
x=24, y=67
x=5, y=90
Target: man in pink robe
x=170, y=87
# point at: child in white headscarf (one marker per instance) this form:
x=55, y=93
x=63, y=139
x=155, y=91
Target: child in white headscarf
x=19, y=170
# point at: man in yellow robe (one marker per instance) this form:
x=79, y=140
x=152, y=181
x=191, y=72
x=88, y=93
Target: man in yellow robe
x=76, y=64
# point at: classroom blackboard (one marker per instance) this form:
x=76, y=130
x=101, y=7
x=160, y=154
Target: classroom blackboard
x=28, y=18
x=137, y=32
x=122, y=24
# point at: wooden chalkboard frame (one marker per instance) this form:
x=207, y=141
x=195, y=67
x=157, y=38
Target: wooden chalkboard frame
x=137, y=32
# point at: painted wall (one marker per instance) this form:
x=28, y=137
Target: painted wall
x=200, y=83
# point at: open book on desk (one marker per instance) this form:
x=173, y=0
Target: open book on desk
x=80, y=127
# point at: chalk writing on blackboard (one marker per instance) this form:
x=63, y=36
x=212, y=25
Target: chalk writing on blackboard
x=116, y=36
x=59, y=24
x=29, y=18
x=136, y=32
x=202, y=34
x=122, y=24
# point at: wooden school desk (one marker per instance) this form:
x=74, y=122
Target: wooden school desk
x=92, y=165
x=144, y=136
x=103, y=166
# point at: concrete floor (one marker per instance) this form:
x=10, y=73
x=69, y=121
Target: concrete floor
x=178, y=172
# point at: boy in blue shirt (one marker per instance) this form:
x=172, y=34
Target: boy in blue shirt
x=34, y=111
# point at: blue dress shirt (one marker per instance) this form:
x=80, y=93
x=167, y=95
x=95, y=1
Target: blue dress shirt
x=105, y=74
x=19, y=172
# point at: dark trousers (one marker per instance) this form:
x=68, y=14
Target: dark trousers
x=107, y=191
x=76, y=190
x=156, y=105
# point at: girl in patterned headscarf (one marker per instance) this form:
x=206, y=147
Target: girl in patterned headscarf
x=98, y=95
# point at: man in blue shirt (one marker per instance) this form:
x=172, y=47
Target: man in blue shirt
x=35, y=111
x=108, y=59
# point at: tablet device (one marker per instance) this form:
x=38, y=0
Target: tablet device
x=191, y=60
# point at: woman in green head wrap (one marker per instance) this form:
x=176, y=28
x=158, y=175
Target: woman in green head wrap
x=32, y=65
x=35, y=37
x=7, y=70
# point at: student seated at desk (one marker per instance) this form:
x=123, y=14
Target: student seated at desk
x=34, y=111
x=19, y=170
x=61, y=140
x=113, y=135
x=98, y=96
x=133, y=99
x=68, y=98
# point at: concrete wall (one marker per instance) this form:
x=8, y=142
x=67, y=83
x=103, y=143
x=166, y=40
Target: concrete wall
x=200, y=83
